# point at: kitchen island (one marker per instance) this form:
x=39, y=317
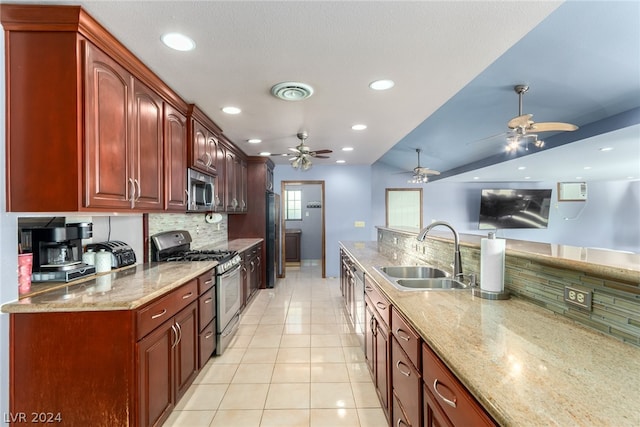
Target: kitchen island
x=525, y=365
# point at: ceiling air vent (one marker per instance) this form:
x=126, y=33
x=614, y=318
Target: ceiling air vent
x=292, y=91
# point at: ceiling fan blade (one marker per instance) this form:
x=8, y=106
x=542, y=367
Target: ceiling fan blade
x=320, y=157
x=294, y=149
x=551, y=126
x=322, y=151
x=523, y=121
x=425, y=171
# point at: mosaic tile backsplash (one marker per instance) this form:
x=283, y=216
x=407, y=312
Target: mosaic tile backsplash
x=202, y=233
x=615, y=307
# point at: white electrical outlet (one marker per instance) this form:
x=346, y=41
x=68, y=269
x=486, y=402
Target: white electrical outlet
x=577, y=297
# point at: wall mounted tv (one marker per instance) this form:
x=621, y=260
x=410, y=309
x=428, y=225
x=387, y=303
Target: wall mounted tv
x=514, y=208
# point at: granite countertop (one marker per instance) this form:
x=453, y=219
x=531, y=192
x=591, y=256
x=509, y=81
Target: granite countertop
x=524, y=364
x=125, y=289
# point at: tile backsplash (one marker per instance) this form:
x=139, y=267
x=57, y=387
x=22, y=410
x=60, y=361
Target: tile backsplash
x=615, y=308
x=202, y=233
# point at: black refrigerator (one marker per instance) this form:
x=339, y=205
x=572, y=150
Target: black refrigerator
x=272, y=236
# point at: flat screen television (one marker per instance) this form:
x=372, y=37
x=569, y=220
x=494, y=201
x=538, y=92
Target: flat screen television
x=514, y=208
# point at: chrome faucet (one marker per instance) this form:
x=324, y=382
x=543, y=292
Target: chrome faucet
x=457, y=260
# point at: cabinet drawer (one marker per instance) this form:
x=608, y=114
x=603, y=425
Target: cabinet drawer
x=378, y=301
x=399, y=417
x=406, y=336
x=157, y=312
x=407, y=385
x=454, y=399
x=207, y=339
x=206, y=308
x=206, y=281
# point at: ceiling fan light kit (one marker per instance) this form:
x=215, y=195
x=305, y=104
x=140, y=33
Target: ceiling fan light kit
x=524, y=129
x=421, y=174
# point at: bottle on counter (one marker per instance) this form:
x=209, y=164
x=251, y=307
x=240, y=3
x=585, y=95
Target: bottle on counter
x=103, y=261
x=89, y=257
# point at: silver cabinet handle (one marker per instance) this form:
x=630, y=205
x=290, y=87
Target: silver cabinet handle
x=381, y=306
x=187, y=296
x=179, y=333
x=208, y=300
x=405, y=373
x=208, y=282
x=401, y=421
x=209, y=335
x=404, y=336
x=175, y=334
x=253, y=267
x=162, y=313
x=139, y=189
x=451, y=403
x=133, y=192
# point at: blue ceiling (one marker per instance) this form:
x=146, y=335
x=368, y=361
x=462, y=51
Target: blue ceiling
x=582, y=65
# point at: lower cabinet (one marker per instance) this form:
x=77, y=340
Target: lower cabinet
x=251, y=272
x=109, y=368
x=377, y=342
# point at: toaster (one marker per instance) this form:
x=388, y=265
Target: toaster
x=121, y=253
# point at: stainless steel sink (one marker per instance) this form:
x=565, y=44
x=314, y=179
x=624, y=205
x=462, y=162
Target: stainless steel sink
x=414, y=272
x=421, y=278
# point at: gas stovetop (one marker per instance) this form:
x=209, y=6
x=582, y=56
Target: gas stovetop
x=176, y=246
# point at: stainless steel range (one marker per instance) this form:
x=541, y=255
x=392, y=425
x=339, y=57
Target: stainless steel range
x=176, y=246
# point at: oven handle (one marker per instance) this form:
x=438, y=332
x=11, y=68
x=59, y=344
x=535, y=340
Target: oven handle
x=231, y=272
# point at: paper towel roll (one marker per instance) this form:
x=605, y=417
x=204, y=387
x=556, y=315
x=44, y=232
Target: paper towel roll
x=492, y=265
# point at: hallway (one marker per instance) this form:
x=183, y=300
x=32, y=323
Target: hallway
x=294, y=362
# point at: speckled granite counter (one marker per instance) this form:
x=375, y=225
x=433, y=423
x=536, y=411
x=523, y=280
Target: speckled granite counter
x=125, y=289
x=524, y=364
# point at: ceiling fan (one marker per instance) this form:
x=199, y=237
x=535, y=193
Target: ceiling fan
x=522, y=128
x=301, y=155
x=420, y=174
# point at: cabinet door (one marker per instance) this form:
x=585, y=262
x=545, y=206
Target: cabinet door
x=370, y=338
x=221, y=179
x=230, y=182
x=175, y=140
x=107, y=106
x=382, y=363
x=201, y=158
x=186, y=349
x=155, y=379
x=212, y=151
x=241, y=185
x=147, y=148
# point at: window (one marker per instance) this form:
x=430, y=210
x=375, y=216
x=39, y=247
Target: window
x=404, y=207
x=293, y=206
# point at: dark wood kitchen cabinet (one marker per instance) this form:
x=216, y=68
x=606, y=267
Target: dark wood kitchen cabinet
x=204, y=154
x=175, y=154
x=206, y=317
x=106, y=368
x=292, y=245
x=446, y=402
x=377, y=342
x=124, y=137
x=99, y=140
x=251, y=272
x=406, y=378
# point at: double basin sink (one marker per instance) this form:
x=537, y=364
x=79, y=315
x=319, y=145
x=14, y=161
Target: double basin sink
x=420, y=278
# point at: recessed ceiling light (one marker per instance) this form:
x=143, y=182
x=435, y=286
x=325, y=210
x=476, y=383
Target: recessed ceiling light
x=359, y=127
x=521, y=168
x=254, y=141
x=476, y=177
x=231, y=110
x=606, y=149
x=527, y=177
x=340, y=161
x=587, y=168
x=630, y=177
x=382, y=84
x=347, y=148
x=265, y=153
x=178, y=41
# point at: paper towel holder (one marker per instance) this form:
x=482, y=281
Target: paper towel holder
x=477, y=292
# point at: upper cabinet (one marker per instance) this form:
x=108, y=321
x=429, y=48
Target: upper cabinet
x=123, y=137
x=212, y=153
x=89, y=126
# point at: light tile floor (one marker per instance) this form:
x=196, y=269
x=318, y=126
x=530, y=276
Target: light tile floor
x=293, y=362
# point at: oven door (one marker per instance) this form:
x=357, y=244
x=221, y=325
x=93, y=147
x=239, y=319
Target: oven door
x=228, y=296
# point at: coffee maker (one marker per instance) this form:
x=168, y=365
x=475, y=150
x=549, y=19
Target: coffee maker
x=57, y=252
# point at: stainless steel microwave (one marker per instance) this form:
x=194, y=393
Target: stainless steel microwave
x=201, y=191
